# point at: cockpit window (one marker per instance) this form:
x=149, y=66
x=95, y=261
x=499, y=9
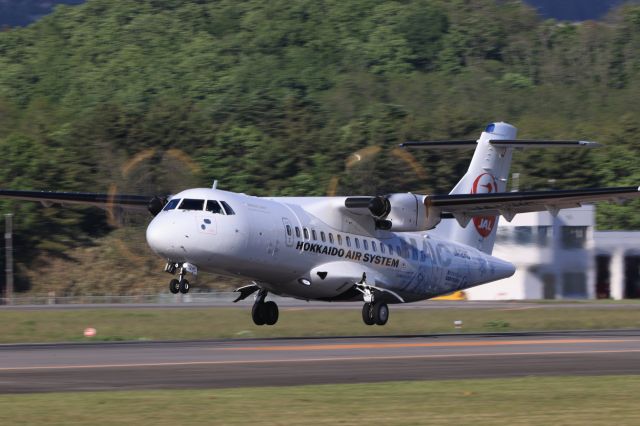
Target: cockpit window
x=172, y=204
x=190, y=204
x=227, y=208
x=214, y=207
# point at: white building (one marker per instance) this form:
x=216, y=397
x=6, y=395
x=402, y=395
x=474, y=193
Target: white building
x=563, y=257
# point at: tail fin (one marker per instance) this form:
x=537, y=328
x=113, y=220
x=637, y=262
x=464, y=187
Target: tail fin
x=487, y=173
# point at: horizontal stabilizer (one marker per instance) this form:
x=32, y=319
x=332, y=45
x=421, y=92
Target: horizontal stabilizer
x=505, y=143
x=532, y=143
x=453, y=144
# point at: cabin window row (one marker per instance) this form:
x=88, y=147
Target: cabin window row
x=401, y=250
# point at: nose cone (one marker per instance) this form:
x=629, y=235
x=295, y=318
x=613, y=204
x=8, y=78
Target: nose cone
x=159, y=238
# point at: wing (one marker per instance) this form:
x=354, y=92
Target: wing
x=463, y=207
x=105, y=201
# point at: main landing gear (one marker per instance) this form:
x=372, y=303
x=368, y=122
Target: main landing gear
x=375, y=313
x=180, y=285
x=264, y=312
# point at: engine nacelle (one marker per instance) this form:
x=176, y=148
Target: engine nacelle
x=403, y=212
x=408, y=212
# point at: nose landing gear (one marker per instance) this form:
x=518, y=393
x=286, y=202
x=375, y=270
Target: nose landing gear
x=180, y=285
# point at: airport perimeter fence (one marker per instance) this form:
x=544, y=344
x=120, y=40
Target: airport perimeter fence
x=208, y=298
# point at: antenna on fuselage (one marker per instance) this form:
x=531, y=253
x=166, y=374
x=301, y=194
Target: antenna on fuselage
x=215, y=184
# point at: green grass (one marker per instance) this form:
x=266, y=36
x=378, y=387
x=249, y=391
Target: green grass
x=208, y=323
x=533, y=400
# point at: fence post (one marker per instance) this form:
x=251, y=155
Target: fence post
x=8, y=238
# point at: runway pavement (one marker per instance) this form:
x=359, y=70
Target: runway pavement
x=274, y=362
x=285, y=302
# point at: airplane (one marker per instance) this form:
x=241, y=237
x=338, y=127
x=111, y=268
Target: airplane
x=377, y=249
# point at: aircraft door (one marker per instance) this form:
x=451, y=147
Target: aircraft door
x=288, y=232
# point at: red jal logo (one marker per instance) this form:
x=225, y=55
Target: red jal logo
x=484, y=184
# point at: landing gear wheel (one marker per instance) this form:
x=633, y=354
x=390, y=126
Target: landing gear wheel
x=271, y=313
x=380, y=313
x=184, y=286
x=367, y=314
x=258, y=314
x=174, y=286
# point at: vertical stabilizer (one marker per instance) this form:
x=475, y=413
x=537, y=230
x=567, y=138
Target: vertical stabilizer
x=487, y=173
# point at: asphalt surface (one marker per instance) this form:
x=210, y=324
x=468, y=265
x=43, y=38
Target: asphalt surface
x=278, y=362
x=227, y=302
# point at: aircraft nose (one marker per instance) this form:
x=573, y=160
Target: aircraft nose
x=159, y=238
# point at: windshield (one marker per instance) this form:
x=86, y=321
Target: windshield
x=191, y=204
x=227, y=208
x=172, y=204
x=214, y=207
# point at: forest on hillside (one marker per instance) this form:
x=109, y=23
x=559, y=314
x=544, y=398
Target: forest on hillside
x=275, y=97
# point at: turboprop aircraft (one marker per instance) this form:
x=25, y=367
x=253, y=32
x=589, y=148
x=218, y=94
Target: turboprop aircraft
x=379, y=249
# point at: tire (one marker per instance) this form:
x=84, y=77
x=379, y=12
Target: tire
x=184, y=286
x=271, y=313
x=258, y=314
x=174, y=286
x=367, y=316
x=380, y=313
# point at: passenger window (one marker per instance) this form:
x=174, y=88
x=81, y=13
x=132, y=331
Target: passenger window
x=390, y=249
x=399, y=250
x=373, y=246
x=172, y=204
x=365, y=243
x=414, y=253
x=297, y=232
x=423, y=256
x=348, y=239
x=306, y=233
x=330, y=237
x=214, y=207
x=313, y=235
x=357, y=243
x=190, y=204
x=339, y=239
x=322, y=236
x=289, y=230
x=382, y=250
x=227, y=208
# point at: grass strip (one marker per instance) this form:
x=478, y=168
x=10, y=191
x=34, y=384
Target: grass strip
x=534, y=400
x=207, y=323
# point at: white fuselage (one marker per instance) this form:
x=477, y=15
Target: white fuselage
x=290, y=251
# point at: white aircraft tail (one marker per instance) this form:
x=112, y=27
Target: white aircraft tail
x=487, y=173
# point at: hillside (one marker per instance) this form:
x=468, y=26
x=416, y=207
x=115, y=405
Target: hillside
x=272, y=98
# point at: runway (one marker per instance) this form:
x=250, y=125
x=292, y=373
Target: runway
x=278, y=362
